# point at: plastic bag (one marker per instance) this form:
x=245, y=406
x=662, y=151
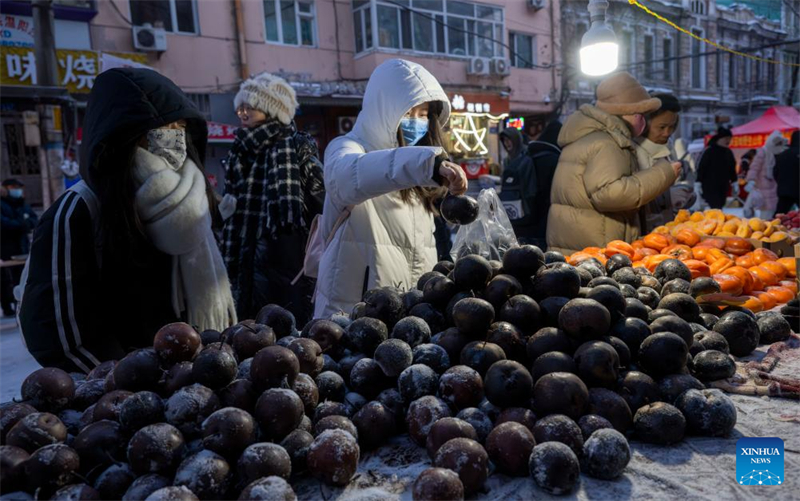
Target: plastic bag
x=490, y=235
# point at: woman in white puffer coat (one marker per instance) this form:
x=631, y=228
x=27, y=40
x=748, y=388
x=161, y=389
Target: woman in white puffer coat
x=387, y=171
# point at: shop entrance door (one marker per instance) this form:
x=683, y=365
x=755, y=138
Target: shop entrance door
x=20, y=161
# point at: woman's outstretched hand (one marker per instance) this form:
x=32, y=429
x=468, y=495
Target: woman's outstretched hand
x=453, y=177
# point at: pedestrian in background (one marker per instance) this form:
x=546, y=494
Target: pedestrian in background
x=764, y=198
x=387, y=174
x=526, y=186
x=744, y=163
x=653, y=146
x=130, y=248
x=598, y=188
x=717, y=169
x=17, y=223
x=787, y=176
x=274, y=182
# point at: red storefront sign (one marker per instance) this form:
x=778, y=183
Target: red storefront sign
x=469, y=102
x=221, y=133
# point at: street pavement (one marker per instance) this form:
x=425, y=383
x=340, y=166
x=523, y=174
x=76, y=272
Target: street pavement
x=15, y=361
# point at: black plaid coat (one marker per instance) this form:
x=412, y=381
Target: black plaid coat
x=276, y=176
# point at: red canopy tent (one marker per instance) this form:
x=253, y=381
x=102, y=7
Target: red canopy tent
x=753, y=134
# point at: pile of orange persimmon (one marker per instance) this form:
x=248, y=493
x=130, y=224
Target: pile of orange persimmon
x=757, y=277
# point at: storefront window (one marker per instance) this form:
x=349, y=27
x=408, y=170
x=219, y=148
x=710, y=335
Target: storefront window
x=432, y=26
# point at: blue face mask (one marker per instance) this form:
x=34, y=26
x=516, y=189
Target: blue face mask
x=413, y=129
x=15, y=193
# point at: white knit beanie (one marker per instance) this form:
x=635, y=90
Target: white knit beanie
x=270, y=94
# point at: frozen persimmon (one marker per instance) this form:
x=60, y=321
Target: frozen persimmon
x=767, y=300
x=744, y=275
x=765, y=275
x=746, y=261
x=678, y=251
x=688, y=236
x=775, y=267
x=720, y=265
x=656, y=241
x=619, y=247
x=781, y=294
x=761, y=255
x=738, y=246
x=729, y=284
x=698, y=268
x=758, y=284
x=789, y=284
x=752, y=303
x=790, y=264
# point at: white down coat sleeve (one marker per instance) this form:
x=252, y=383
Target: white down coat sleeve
x=353, y=176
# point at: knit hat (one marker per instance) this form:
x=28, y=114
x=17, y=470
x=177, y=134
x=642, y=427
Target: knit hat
x=270, y=94
x=620, y=94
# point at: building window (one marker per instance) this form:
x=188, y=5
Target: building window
x=289, y=22
x=523, y=53
x=732, y=76
x=758, y=80
x=698, y=66
x=176, y=16
x=627, y=53
x=668, y=62
x=362, y=21
x=649, y=56
x=431, y=26
x=699, y=7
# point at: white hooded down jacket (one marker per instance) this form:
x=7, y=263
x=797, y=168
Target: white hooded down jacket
x=385, y=241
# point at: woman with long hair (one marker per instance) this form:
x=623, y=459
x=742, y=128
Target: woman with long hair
x=131, y=247
x=385, y=177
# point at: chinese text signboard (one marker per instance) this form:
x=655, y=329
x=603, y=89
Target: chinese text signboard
x=77, y=69
x=16, y=31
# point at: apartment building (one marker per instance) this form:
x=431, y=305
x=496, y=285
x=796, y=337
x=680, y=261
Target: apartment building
x=714, y=87
x=497, y=59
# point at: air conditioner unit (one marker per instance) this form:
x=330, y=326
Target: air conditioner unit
x=148, y=38
x=501, y=66
x=537, y=4
x=478, y=66
x=346, y=124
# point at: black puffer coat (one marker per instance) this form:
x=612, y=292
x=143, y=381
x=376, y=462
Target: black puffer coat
x=83, y=304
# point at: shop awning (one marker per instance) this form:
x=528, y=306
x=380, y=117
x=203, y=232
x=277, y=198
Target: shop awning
x=754, y=134
x=221, y=133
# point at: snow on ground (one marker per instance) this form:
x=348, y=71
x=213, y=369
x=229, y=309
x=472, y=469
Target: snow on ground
x=695, y=469
x=15, y=361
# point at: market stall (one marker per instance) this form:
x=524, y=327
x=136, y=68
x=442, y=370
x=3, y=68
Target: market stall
x=785, y=119
x=474, y=127
x=627, y=371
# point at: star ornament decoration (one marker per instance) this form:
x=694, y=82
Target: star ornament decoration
x=471, y=138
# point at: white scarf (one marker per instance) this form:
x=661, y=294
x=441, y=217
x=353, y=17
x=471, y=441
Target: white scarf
x=173, y=206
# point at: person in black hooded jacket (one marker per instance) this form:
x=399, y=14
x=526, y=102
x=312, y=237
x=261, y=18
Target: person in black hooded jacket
x=717, y=169
x=526, y=185
x=130, y=248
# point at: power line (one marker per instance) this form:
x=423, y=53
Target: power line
x=116, y=8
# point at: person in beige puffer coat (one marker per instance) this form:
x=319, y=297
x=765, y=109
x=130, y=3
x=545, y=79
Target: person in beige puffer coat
x=598, y=188
x=387, y=173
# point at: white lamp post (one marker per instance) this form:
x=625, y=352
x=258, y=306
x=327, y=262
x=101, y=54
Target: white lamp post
x=599, y=48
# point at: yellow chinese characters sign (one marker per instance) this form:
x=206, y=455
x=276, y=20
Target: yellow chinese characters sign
x=77, y=69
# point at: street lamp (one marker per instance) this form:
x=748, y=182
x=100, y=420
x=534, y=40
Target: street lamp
x=599, y=48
